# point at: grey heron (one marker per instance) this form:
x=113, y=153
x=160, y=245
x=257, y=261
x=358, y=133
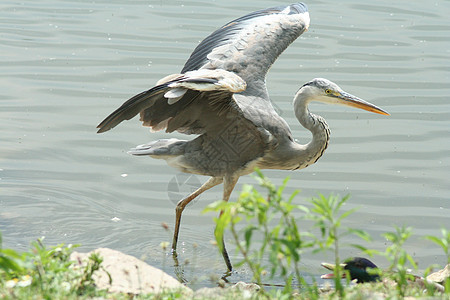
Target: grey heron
x=221, y=97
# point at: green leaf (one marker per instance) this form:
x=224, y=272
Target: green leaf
x=361, y=233
x=343, y=200
x=362, y=248
x=389, y=236
x=292, y=248
x=215, y=206
x=411, y=261
x=294, y=193
x=248, y=236
x=345, y=215
x=436, y=240
x=9, y=265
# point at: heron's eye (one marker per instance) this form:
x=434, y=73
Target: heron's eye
x=327, y=91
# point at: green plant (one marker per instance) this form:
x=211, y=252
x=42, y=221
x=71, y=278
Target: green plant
x=444, y=243
x=398, y=258
x=46, y=273
x=327, y=217
x=11, y=264
x=274, y=220
x=282, y=242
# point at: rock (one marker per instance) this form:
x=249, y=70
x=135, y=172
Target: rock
x=242, y=286
x=129, y=274
x=440, y=276
x=132, y=276
x=246, y=290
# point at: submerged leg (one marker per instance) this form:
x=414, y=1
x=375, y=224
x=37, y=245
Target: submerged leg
x=182, y=204
x=228, y=186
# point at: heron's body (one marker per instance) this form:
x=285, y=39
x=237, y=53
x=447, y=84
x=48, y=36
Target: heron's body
x=221, y=96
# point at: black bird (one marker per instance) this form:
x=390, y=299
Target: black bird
x=357, y=267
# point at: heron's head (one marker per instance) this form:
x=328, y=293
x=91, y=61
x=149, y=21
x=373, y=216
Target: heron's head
x=323, y=90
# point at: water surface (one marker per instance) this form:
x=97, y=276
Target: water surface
x=65, y=65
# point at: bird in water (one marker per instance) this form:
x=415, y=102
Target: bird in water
x=220, y=97
x=359, y=270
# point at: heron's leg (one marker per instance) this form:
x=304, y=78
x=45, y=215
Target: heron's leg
x=182, y=204
x=228, y=186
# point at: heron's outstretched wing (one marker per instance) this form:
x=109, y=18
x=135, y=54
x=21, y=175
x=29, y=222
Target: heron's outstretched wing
x=249, y=45
x=238, y=53
x=188, y=103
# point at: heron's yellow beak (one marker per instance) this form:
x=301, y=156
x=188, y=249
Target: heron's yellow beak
x=353, y=101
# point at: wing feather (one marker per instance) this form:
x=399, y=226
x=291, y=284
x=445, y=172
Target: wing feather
x=249, y=45
x=169, y=105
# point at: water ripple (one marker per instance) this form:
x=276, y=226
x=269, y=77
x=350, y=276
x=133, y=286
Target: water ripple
x=67, y=64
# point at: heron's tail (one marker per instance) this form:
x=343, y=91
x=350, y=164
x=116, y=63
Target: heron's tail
x=163, y=148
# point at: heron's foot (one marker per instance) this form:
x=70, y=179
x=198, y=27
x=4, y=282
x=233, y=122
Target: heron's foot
x=226, y=275
x=178, y=269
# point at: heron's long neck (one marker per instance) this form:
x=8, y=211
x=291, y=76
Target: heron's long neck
x=312, y=151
